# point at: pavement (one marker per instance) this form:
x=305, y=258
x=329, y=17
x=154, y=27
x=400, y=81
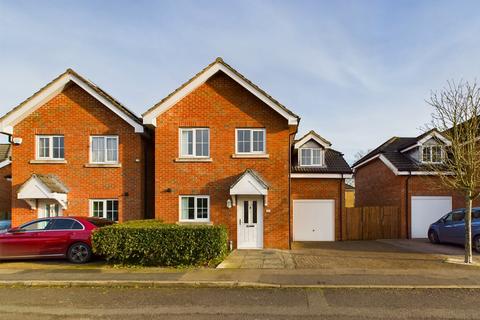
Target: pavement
x=236, y=303
x=356, y=264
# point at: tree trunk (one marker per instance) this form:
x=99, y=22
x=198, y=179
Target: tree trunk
x=468, y=229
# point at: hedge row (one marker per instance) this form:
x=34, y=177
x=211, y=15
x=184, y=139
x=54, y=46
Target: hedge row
x=152, y=243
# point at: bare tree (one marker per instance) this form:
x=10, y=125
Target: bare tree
x=456, y=116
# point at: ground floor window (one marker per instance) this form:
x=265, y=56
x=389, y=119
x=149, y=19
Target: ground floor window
x=194, y=208
x=104, y=208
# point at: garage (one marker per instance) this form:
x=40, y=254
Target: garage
x=425, y=211
x=314, y=220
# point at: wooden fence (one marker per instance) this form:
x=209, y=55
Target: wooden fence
x=370, y=223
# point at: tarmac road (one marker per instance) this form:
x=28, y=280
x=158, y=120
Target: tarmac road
x=237, y=303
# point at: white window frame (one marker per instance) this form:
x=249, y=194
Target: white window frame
x=50, y=146
x=251, y=140
x=431, y=154
x=194, y=144
x=90, y=152
x=104, y=201
x=322, y=157
x=195, y=219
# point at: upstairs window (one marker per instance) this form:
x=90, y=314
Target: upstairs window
x=250, y=141
x=104, y=149
x=311, y=157
x=432, y=154
x=195, y=143
x=50, y=148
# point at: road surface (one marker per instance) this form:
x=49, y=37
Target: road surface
x=237, y=303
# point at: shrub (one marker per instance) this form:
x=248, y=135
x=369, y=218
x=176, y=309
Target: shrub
x=152, y=243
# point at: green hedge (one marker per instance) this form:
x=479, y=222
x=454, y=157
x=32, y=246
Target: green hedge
x=152, y=243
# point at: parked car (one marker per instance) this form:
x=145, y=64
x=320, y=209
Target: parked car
x=451, y=228
x=59, y=237
x=5, y=224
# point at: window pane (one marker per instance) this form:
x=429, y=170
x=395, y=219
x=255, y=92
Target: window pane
x=243, y=141
x=44, y=147
x=201, y=142
x=306, y=157
x=76, y=225
x=254, y=203
x=245, y=211
x=184, y=208
x=62, y=224
x=202, y=208
x=191, y=208
x=58, y=148
x=98, y=149
x=187, y=143
x=112, y=210
x=316, y=159
x=98, y=209
x=39, y=225
x=258, y=137
x=436, y=154
x=112, y=149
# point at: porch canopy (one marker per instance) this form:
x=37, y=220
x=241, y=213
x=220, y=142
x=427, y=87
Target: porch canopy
x=249, y=183
x=43, y=187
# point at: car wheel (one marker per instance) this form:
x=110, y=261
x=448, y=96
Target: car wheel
x=433, y=237
x=476, y=243
x=79, y=253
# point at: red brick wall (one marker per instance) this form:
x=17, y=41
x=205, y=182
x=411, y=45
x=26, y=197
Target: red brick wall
x=222, y=105
x=77, y=115
x=303, y=188
x=377, y=185
x=5, y=192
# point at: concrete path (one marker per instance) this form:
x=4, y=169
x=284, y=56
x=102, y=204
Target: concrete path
x=258, y=259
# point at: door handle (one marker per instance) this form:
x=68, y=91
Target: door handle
x=240, y=222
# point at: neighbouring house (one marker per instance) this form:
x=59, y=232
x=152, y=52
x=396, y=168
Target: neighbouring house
x=223, y=155
x=401, y=172
x=5, y=182
x=349, y=195
x=217, y=150
x=75, y=151
x=317, y=189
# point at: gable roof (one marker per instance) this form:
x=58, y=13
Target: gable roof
x=56, y=86
x=312, y=135
x=149, y=117
x=393, y=153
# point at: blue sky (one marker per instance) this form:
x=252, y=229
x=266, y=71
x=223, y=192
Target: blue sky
x=357, y=72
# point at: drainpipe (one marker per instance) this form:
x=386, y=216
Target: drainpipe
x=407, y=216
x=342, y=206
x=290, y=145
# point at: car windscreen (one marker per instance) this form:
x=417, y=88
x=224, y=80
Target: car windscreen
x=100, y=222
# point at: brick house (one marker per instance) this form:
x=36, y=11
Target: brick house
x=75, y=151
x=223, y=153
x=218, y=150
x=399, y=173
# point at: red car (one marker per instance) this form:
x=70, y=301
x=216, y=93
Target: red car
x=67, y=237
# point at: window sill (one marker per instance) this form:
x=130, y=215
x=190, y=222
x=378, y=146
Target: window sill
x=194, y=223
x=47, y=161
x=193, y=160
x=103, y=165
x=250, y=156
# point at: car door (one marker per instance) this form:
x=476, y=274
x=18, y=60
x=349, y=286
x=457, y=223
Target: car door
x=23, y=241
x=444, y=228
x=457, y=228
x=57, y=237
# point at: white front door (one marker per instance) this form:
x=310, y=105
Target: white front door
x=249, y=222
x=47, y=209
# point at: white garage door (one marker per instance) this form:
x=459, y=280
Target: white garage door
x=427, y=210
x=314, y=220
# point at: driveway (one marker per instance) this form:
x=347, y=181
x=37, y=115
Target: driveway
x=345, y=256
